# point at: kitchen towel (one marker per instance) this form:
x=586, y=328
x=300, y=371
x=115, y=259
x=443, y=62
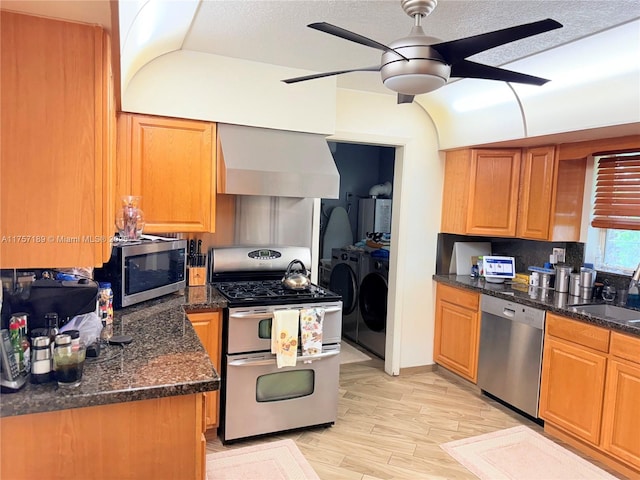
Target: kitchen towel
x=311, y=330
x=284, y=337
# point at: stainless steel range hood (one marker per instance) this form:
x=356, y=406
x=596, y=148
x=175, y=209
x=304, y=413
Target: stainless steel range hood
x=279, y=163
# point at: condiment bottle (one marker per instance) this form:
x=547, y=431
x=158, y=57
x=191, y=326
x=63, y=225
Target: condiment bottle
x=41, y=364
x=51, y=324
x=105, y=309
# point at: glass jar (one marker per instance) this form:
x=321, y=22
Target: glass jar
x=130, y=219
x=68, y=361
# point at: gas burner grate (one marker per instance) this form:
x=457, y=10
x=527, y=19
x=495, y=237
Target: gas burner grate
x=265, y=289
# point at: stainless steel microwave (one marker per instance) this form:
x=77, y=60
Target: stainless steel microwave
x=140, y=272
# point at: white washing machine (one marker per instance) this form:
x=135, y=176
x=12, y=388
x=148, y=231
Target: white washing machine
x=346, y=266
x=372, y=301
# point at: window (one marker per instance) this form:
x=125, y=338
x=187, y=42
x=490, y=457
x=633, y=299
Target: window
x=614, y=235
x=617, y=192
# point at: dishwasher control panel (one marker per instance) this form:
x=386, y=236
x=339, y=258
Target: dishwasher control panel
x=513, y=311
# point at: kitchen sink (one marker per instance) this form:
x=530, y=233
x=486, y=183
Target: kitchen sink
x=609, y=312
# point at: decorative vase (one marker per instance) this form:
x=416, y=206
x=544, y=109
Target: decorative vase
x=130, y=219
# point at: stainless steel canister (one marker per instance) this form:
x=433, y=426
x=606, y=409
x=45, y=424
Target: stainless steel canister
x=574, y=284
x=563, y=278
x=587, y=279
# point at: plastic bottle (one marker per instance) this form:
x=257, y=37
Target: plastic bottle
x=105, y=309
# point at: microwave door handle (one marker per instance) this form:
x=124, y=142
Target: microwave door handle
x=270, y=361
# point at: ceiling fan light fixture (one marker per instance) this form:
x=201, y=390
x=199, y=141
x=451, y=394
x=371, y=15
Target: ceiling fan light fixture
x=414, y=83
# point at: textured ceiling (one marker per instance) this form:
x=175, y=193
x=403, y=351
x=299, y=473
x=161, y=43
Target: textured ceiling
x=275, y=32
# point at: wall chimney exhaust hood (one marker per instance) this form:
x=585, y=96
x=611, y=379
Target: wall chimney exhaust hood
x=278, y=163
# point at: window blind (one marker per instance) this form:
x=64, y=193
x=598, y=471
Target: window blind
x=617, y=199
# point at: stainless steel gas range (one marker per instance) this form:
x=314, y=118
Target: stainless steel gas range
x=257, y=397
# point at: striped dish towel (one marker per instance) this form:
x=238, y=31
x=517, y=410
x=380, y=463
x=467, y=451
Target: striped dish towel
x=311, y=330
x=284, y=337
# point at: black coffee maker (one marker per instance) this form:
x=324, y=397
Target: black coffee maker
x=67, y=298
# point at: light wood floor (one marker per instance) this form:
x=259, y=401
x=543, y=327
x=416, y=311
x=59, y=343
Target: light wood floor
x=391, y=427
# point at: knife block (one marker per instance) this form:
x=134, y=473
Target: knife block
x=197, y=276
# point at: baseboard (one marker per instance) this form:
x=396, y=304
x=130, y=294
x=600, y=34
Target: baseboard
x=418, y=369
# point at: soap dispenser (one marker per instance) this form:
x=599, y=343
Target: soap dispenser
x=633, y=297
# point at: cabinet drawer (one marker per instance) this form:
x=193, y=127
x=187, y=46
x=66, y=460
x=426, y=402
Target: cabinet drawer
x=578, y=332
x=625, y=346
x=457, y=296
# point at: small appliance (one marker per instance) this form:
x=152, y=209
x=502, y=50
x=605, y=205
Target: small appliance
x=144, y=269
x=497, y=269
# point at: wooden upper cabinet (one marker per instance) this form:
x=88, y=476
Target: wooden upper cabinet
x=526, y=193
x=171, y=164
x=536, y=193
x=493, y=192
x=56, y=127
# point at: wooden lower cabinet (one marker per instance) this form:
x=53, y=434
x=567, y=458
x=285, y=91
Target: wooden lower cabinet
x=208, y=326
x=156, y=438
x=571, y=392
x=621, y=419
x=457, y=330
x=590, y=391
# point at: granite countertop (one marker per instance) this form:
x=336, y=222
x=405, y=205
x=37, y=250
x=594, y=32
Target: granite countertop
x=545, y=299
x=164, y=359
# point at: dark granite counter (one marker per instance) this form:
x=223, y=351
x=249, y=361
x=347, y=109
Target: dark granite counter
x=545, y=299
x=164, y=359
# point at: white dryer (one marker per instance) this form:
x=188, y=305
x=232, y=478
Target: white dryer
x=372, y=301
x=346, y=266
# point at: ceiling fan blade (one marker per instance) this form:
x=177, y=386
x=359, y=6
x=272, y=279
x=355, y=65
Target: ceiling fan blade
x=375, y=68
x=469, y=69
x=353, y=37
x=465, y=47
x=403, y=98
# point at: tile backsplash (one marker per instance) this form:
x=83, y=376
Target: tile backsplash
x=527, y=253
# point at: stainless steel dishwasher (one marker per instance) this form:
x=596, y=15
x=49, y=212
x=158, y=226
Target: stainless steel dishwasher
x=510, y=358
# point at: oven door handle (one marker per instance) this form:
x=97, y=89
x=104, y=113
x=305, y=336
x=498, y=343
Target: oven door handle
x=270, y=361
x=251, y=315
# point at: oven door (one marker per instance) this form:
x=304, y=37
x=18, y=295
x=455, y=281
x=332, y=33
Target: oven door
x=260, y=398
x=249, y=328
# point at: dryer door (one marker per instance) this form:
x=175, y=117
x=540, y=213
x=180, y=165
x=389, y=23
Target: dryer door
x=373, y=302
x=343, y=281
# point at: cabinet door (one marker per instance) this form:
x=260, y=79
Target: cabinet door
x=572, y=388
x=208, y=327
x=173, y=169
x=493, y=192
x=536, y=193
x=457, y=331
x=621, y=422
x=53, y=111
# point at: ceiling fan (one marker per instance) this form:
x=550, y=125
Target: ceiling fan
x=419, y=63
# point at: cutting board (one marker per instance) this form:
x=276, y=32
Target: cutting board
x=462, y=253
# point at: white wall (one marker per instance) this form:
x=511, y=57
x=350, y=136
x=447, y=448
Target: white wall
x=594, y=82
x=418, y=178
x=211, y=87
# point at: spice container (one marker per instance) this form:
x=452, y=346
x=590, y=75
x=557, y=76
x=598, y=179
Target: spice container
x=41, y=364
